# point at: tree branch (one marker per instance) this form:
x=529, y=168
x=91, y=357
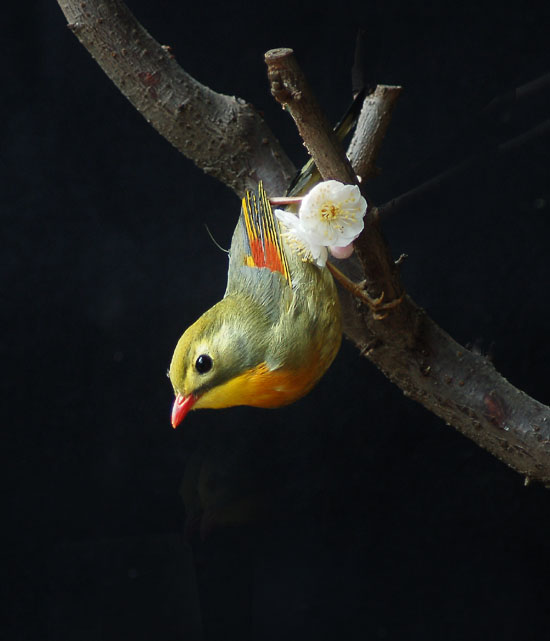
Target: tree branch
x=227, y=139
x=290, y=88
x=371, y=128
x=222, y=135
x=461, y=387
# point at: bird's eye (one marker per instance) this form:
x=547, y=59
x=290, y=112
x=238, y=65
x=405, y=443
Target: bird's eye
x=203, y=364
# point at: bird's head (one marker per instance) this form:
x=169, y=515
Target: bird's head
x=212, y=356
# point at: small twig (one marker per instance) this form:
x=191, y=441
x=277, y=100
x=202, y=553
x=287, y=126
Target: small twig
x=542, y=129
x=515, y=96
x=358, y=74
x=480, y=132
x=423, y=190
x=407, y=198
x=371, y=128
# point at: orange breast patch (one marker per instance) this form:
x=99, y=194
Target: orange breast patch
x=260, y=387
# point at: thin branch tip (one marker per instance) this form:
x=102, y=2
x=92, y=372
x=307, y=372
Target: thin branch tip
x=273, y=55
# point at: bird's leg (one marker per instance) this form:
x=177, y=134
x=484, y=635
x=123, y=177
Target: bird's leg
x=377, y=306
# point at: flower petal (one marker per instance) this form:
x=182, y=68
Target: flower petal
x=332, y=213
x=295, y=232
x=289, y=220
x=341, y=252
x=319, y=254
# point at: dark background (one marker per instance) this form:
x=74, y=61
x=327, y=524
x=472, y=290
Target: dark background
x=353, y=514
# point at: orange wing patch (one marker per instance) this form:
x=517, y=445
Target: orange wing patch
x=262, y=230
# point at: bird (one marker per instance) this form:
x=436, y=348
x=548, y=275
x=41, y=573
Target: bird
x=274, y=333
x=278, y=327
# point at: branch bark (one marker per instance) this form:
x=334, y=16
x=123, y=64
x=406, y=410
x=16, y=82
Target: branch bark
x=461, y=387
x=371, y=128
x=290, y=88
x=222, y=135
x=226, y=138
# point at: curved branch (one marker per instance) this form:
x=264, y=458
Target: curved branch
x=461, y=387
x=222, y=135
x=228, y=139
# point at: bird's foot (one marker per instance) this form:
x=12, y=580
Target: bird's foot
x=377, y=305
x=379, y=308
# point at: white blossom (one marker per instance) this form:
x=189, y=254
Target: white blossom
x=341, y=252
x=331, y=215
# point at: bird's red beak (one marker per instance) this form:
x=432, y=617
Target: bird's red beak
x=182, y=404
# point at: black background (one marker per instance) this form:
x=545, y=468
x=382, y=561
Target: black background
x=352, y=514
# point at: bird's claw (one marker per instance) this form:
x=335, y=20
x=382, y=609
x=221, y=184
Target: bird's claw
x=377, y=306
